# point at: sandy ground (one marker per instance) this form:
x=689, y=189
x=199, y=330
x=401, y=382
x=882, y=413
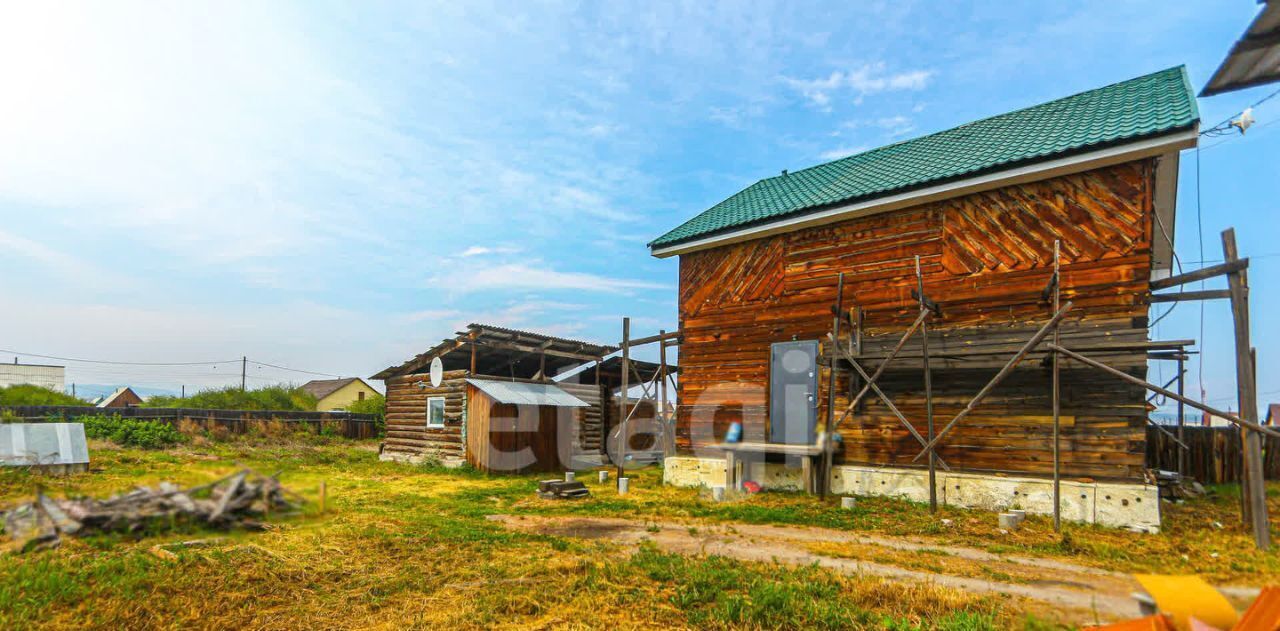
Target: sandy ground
x=1050, y=588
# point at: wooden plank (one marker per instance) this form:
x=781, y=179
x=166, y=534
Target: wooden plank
x=1200, y=274
x=1208, y=294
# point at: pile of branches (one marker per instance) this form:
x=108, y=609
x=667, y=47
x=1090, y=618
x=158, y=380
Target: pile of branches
x=240, y=500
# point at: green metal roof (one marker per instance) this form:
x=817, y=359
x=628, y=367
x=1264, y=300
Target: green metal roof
x=1150, y=105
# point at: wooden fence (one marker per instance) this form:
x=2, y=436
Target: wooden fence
x=1214, y=454
x=346, y=424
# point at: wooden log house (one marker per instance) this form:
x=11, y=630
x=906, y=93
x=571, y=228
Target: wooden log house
x=497, y=398
x=981, y=205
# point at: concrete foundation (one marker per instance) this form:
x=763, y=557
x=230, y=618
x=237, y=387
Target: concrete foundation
x=399, y=456
x=1121, y=505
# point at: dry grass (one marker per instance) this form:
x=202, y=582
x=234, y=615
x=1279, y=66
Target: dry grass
x=407, y=547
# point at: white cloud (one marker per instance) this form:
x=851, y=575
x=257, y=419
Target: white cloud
x=864, y=81
x=578, y=200
x=483, y=250
x=532, y=276
x=841, y=152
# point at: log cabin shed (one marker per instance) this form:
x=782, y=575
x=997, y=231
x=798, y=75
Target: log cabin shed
x=501, y=395
x=981, y=205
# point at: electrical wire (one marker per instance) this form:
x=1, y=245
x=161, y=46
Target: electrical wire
x=118, y=363
x=305, y=372
x=1224, y=128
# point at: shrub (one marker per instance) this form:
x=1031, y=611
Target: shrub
x=26, y=394
x=132, y=432
x=375, y=405
x=232, y=398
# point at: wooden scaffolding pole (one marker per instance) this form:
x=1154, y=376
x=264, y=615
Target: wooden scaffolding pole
x=928, y=391
x=1182, y=417
x=668, y=429
x=622, y=400
x=1057, y=392
x=1254, y=482
x=828, y=436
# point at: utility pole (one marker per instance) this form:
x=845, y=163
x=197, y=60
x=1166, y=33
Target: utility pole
x=244, y=364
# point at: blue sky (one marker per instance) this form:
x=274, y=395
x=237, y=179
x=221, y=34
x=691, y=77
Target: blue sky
x=338, y=186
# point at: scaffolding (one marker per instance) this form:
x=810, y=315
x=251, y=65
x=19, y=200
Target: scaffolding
x=1253, y=496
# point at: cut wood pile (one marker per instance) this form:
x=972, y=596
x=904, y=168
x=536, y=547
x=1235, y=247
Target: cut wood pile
x=240, y=500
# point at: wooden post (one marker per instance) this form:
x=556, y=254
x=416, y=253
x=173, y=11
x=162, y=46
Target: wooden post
x=827, y=436
x=244, y=365
x=1254, y=485
x=473, y=358
x=928, y=392
x=1182, y=420
x=622, y=398
x=668, y=437
x=324, y=495
x=1057, y=394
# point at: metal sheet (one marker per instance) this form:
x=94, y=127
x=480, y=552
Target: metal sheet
x=1253, y=59
x=521, y=393
x=28, y=444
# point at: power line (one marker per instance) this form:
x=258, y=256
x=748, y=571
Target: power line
x=305, y=372
x=1225, y=126
x=163, y=364
x=118, y=363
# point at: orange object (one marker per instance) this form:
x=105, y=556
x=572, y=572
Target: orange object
x=1263, y=614
x=1157, y=622
x=1185, y=597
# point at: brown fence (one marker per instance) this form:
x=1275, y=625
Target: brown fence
x=1214, y=454
x=345, y=424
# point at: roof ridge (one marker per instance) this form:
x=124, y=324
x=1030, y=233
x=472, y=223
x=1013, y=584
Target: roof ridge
x=1150, y=75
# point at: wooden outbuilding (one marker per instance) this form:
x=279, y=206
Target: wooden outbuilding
x=503, y=392
x=978, y=209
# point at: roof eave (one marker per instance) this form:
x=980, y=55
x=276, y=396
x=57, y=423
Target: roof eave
x=1149, y=146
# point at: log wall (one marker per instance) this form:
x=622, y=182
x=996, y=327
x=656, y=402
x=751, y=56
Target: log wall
x=407, y=430
x=986, y=258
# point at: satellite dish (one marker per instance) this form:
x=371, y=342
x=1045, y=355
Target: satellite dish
x=437, y=372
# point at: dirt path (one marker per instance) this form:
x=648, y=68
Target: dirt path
x=1065, y=591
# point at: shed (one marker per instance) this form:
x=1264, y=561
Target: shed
x=981, y=206
x=500, y=389
x=123, y=397
x=515, y=426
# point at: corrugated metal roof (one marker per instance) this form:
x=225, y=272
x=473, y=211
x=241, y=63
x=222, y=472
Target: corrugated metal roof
x=521, y=393
x=29, y=444
x=1255, y=58
x=1151, y=105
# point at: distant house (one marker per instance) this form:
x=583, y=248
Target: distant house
x=337, y=394
x=123, y=397
x=51, y=377
x=1273, y=413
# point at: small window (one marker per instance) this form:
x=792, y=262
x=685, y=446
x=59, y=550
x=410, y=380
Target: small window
x=435, y=412
x=360, y=395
